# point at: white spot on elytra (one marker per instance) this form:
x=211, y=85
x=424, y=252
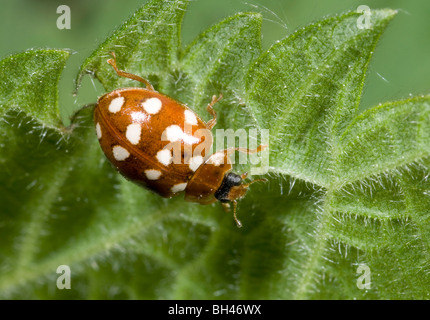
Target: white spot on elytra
x=179, y=187
x=133, y=133
x=195, y=162
x=120, y=153
x=116, y=104
x=152, y=105
x=139, y=116
x=217, y=159
x=164, y=156
x=175, y=133
x=190, y=117
x=98, y=130
x=153, y=174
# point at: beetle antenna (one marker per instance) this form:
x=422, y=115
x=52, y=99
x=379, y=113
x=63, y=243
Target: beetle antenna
x=226, y=207
x=238, y=223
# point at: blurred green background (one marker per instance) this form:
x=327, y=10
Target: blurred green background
x=400, y=67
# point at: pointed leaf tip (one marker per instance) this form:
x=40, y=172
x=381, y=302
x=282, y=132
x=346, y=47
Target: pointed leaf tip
x=30, y=84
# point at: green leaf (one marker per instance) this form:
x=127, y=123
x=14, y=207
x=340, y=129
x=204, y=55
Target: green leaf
x=217, y=62
x=345, y=189
x=146, y=44
x=367, y=214
x=383, y=222
x=29, y=83
x=306, y=89
x=402, y=130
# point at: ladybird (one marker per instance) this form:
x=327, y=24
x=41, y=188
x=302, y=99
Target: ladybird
x=162, y=145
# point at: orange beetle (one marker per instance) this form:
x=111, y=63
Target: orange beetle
x=163, y=145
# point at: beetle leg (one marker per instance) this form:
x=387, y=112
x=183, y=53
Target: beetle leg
x=211, y=123
x=121, y=73
x=255, y=180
